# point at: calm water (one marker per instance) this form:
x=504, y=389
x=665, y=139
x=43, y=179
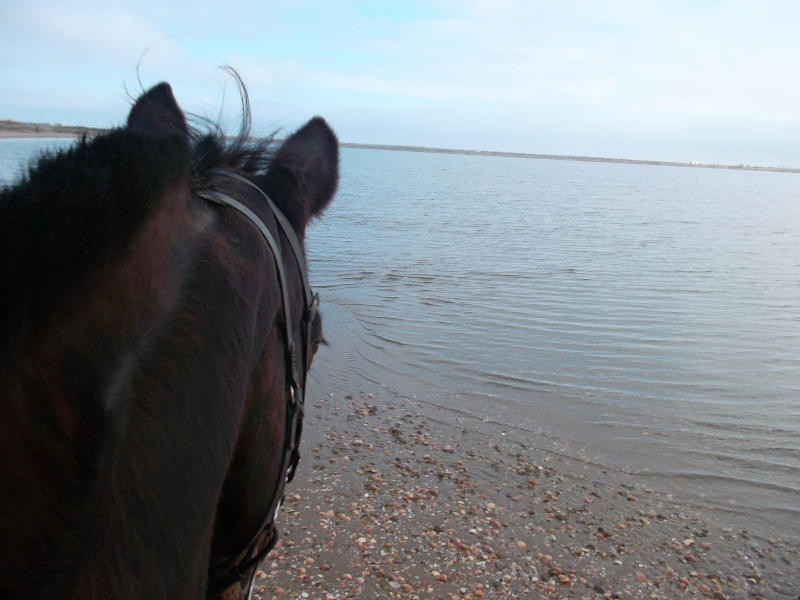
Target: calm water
x=642, y=318
x=17, y=153
x=648, y=316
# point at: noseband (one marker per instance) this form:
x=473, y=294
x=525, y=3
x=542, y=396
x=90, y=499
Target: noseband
x=235, y=568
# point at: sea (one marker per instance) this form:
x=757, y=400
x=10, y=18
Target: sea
x=641, y=318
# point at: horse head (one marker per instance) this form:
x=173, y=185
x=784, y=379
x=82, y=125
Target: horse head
x=155, y=354
x=297, y=185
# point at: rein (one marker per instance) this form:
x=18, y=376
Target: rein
x=235, y=568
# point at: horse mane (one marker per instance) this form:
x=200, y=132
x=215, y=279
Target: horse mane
x=75, y=210
x=213, y=148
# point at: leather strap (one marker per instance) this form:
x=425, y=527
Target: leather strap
x=234, y=569
x=288, y=230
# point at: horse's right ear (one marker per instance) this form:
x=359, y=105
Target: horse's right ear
x=157, y=113
x=304, y=173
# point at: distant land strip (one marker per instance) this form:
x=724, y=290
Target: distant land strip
x=624, y=161
x=9, y=128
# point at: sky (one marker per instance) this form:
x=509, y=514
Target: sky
x=677, y=80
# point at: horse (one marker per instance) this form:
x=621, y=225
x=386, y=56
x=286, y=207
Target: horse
x=156, y=330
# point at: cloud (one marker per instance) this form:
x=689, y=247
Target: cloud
x=478, y=72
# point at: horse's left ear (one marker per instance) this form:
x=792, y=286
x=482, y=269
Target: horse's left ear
x=305, y=172
x=156, y=112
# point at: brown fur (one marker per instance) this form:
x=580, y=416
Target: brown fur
x=143, y=372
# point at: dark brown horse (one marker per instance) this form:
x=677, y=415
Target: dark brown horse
x=155, y=334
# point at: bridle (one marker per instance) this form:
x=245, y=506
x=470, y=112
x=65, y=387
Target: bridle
x=233, y=569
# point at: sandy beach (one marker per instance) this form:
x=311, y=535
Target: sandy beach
x=396, y=498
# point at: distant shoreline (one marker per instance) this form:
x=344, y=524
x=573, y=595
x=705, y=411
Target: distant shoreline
x=625, y=161
x=48, y=134
x=17, y=129
x=14, y=129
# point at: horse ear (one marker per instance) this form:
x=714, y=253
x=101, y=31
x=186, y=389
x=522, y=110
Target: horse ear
x=157, y=113
x=305, y=171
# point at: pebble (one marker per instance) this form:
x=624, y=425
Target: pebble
x=436, y=526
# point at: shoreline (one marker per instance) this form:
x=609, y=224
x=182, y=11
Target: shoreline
x=397, y=498
x=564, y=157
x=41, y=134
x=27, y=130
x=19, y=129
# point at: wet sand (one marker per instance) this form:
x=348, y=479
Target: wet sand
x=396, y=498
